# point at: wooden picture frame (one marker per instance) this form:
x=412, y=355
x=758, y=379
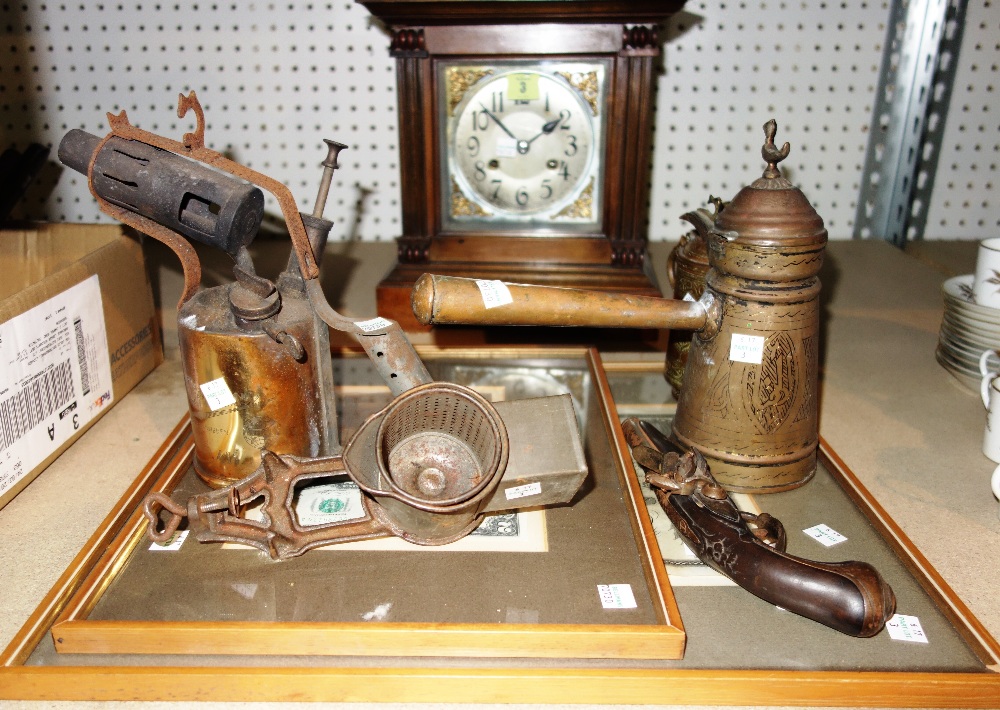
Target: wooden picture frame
x=550, y=680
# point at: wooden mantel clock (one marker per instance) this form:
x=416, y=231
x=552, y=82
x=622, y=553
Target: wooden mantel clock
x=524, y=139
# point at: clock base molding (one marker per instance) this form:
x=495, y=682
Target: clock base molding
x=393, y=292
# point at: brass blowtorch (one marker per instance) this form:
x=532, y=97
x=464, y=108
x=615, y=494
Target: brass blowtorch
x=259, y=378
x=256, y=354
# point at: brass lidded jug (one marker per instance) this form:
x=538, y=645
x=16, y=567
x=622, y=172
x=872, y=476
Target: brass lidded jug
x=749, y=401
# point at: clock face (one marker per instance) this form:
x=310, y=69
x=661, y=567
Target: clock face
x=523, y=147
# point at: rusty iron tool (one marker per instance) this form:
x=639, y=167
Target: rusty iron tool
x=428, y=466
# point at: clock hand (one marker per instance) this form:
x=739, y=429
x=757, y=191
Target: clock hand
x=547, y=129
x=499, y=122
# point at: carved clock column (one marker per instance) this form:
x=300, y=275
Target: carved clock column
x=413, y=81
x=524, y=140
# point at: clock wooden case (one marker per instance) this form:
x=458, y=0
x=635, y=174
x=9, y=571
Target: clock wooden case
x=524, y=139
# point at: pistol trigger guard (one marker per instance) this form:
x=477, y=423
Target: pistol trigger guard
x=767, y=529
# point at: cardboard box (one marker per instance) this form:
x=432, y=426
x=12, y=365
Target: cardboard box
x=78, y=330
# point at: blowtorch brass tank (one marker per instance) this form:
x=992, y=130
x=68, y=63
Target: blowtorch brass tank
x=251, y=387
x=749, y=401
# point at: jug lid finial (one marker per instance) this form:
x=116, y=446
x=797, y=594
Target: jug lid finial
x=771, y=211
x=771, y=154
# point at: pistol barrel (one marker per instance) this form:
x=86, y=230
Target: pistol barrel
x=453, y=300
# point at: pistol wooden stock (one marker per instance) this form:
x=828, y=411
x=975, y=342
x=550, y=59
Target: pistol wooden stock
x=851, y=597
x=453, y=300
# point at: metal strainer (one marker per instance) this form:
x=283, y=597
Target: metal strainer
x=438, y=453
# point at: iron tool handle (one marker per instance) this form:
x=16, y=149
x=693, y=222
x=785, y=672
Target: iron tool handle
x=451, y=300
x=151, y=507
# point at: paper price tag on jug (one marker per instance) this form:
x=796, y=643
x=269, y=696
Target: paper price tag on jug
x=746, y=348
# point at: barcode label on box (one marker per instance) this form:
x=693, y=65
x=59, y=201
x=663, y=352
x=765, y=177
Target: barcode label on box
x=55, y=376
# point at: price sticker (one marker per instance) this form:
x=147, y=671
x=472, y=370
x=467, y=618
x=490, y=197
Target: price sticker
x=825, y=534
x=522, y=87
x=528, y=489
x=171, y=545
x=506, y=147
x=746, y=348
x=905, y=628
x=495, y=293
x=616, y=596
x=370, y=326
x=217, y=394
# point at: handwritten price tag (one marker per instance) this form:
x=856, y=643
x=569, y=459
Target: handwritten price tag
x=217, y=394
x=528, y=489
x=495, y=293
x=173, y=544
x=746, y=348
x=370, y=326
x=905, y=628
x=825, y=534
x=616, y=596
x=522, y=87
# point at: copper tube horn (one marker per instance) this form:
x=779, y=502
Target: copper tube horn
x=749, y=399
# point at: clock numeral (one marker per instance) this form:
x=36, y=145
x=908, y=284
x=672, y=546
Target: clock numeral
x=473, y=146
x=521, y=197
x=573, y=146
x=565, y=115
x=496, y=192
x=497, y=102
x=563, y=170
x=547, y=188
x=481, y=170
x=480, y=120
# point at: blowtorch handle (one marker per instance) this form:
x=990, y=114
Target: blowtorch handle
x=454, y=300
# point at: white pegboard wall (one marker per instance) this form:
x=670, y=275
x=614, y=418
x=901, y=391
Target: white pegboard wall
x=276, y=78
x=730, y=67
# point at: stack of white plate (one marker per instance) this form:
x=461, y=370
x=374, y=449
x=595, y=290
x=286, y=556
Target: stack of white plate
x=967, y=331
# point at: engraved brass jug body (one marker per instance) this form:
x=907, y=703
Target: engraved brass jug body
x=749, y=401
